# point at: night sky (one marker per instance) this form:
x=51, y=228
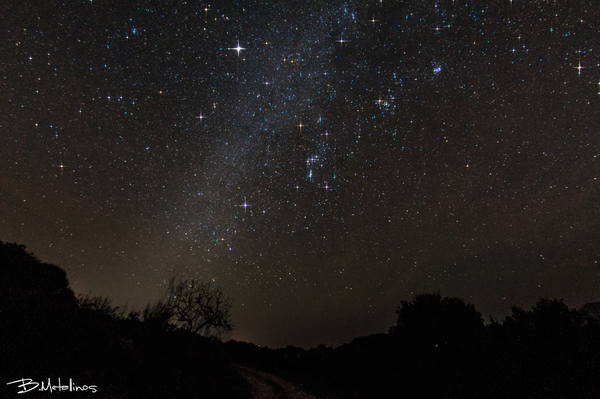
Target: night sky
x=320, y=161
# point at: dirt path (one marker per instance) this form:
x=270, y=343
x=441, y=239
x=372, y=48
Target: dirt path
x=268, y=386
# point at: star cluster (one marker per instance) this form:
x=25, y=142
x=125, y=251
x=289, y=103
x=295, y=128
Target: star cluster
x=318, y=160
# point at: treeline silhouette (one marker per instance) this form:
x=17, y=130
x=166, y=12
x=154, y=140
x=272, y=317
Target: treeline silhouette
x=48, y=333
x=440, y=347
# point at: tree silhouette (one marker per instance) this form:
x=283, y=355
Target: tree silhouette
x=194, y=306
x=545, y=351
x=47, y=333
x=551, y=322
x=430, y=321
x=437, y=339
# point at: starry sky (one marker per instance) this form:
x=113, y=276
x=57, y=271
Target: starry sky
x=319, y=160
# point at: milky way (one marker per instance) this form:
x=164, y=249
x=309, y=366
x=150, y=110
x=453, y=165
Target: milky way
x=320, y=161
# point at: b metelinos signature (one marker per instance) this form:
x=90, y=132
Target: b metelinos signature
x=28, y=385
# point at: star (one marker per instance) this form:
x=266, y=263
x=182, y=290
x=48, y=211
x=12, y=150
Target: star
x=245, y=205
x=445, y=102
x=238, y=48
x=341, y=41
x=579, y=68
x=61, y=166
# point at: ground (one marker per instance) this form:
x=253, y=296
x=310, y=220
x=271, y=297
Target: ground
x=268, y=386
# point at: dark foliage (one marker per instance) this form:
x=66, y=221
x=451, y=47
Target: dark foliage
x=49, y=334
x=438, y=340
x=440, y=348
x=550, y=351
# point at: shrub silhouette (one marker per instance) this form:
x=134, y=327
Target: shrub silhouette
x=28, y=283
x=49, y=334
x=35, y=305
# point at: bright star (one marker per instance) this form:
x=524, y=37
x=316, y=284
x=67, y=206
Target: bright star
x=61, y=166
x=238, y=48
x=579, y=68
x=245, y=205
x=341, y=41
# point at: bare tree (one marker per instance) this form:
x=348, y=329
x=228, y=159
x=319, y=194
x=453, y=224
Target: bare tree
x=198, y=307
